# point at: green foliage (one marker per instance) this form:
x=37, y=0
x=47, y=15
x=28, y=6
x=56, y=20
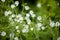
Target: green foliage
x=49, y=11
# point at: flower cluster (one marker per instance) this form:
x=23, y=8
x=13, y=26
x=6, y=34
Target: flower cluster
x=29, y=22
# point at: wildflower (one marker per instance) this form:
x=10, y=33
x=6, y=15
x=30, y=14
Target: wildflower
x=18, y=16
x=27, y=15
x=38, y=5
x=58, y=4
x=12, y=6
x=39, y=24
x=25, y=30
x=3, y=33
x=58, y=38
x=21, y=18
x=13, y=15
x=39, y=18
x=18, y=31
x=16, y=38
x=17, y=3
x=17, y=27
x=57, y=24
x=52, y=24
x=3, y=0
x=27, y=8
x=31, y=28
x=33, y=15
x=7, y=13
x=28, y=21
x=25, y=26
x=43, y=28
x=31, y=12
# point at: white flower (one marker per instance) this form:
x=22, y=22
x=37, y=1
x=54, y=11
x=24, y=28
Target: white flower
x=17, y=27
x=17, y=20
x=33, y=15
x=39, y=24
x=38, y=5
x=3, y=0
x=58, y=38
x=43, y=28
x=57, y=24
x=27, y=8
x=10, y=18
x=17, y=3
x=3, y=33
x=27, y=15
x=26, y=18
x=16, y=38
x=31, y=28
x=25, y=30
x=39, y=18
x=25, y=26
x=31, y=12
x=18, y=16
x=13, y=15
x=28, y=21
x=7, y=13
x=21, y=18
x=18, y=31
x=58, y=4
x=52, y=24
x=12, y=6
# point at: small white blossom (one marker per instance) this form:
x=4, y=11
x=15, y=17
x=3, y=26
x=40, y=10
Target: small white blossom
x=12, y=6
x=17, y=20
x=13, y=15
x=25, y=30
x=39, y=24
x=18, y=31
x=3, y=33
x=28, y=21
x=10, y=18
x=52, y=24
x=18, y=16
x=27, y=8
x=21, y=18
x=26, y=18
x=43, y=28
x=17, y=27
x=38, y=5
x=27, y=15
x=57, y=24
x=7, y=13
x=16, y=38
x=17, y=3
x=31, y=12
x=39, y=18
x=58, y=4
x=58, y=38
x=3, y=0
x=31, y=28
x=25, y=26
x=33, y=15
